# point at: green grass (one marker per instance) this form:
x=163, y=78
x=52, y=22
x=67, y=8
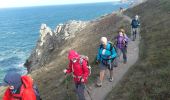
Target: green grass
x=149, y=78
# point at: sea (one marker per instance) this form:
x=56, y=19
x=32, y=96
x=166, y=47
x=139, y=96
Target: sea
x=19, y=28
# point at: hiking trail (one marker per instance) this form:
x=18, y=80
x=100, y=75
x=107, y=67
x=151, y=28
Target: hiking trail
x=99, y=93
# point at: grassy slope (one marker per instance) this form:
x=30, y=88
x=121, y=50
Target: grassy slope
x=86, y=42
x=50, y=77
x=149, y=78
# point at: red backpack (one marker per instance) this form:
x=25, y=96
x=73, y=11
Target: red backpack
x=85, y=58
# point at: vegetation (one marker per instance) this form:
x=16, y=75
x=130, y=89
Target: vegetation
x=149, y=78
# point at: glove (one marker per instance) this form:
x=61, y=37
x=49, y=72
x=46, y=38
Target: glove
x=65, y=71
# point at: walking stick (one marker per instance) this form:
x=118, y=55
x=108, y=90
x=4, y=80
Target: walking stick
x=88, y=92
x=66, y=85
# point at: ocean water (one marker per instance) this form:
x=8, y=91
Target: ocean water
x=19, y=28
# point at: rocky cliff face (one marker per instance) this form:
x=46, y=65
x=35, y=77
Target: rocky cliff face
x=50, y=40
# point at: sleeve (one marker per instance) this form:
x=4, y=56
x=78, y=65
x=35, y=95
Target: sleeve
x=98, y=54
x=126, y=38
x=69, y=69
x=114, y=54
x=29, y=95
x=6, y=95
x=131, y=22
x=85, y=70
x=138, y=23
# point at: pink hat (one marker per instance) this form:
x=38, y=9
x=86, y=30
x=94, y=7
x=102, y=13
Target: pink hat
x=73, y=54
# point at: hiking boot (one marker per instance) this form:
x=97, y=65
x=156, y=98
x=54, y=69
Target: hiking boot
x=111, y=79
x=99, y=84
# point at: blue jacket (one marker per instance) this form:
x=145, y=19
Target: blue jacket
x=135, y=23
x=104, y=54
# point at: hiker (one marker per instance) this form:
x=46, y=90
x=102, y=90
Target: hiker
x=80, y=72
x=121, y=10
x=19, y=87
x=106, y=55
x=121, y=45
x=135, y=27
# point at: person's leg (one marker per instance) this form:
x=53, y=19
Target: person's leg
x=124, y=51
x=102, y=72
x=133, y=34
x=118, y=54
x=136, y=32
x=111, y=72
x=80, y=91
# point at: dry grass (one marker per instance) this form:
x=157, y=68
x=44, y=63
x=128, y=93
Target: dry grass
x=50, y=78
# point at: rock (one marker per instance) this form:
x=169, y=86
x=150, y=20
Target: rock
x=50, y=40
x=68, y=30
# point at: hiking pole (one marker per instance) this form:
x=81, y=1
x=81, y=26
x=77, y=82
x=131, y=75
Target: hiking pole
x=66, y=84
x=88, y=92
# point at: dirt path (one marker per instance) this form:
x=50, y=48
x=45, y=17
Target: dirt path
x=99, y=93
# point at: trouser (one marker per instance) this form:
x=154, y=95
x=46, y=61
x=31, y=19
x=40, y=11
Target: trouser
x=134, y=32
x=80, y=87
x=124, y=52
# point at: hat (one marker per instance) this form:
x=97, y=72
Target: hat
x=72, y=54
x=12, y=79
x=103, y=40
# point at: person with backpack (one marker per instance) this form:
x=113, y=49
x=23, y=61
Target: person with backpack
x=19, y=87
x=79, y=67
x=105, y=56
x=135, y=27
x=121, y=44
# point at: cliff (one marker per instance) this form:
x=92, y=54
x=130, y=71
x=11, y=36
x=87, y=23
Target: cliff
x=52, y=40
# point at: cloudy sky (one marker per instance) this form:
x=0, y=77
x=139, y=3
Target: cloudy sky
x=24, y=3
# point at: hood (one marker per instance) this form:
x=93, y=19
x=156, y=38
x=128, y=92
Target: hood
x=13, y=79
x=73, y=54
x=28, y=81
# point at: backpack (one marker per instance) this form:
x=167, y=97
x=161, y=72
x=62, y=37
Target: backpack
x=36, y=91
x=85, y=58
x=112, y=46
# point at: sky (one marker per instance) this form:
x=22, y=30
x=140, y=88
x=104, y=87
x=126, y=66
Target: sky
x=25, y=3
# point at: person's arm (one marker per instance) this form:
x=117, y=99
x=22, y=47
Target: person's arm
x=126, y=38
x=6, y=95
x=28, y=94
x=138, y=23
x=85, y=71
x=69, y=69
x=98, y=54
x=114, y=54
x=132, y=22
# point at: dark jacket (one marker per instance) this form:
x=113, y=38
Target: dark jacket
x=135, y=23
